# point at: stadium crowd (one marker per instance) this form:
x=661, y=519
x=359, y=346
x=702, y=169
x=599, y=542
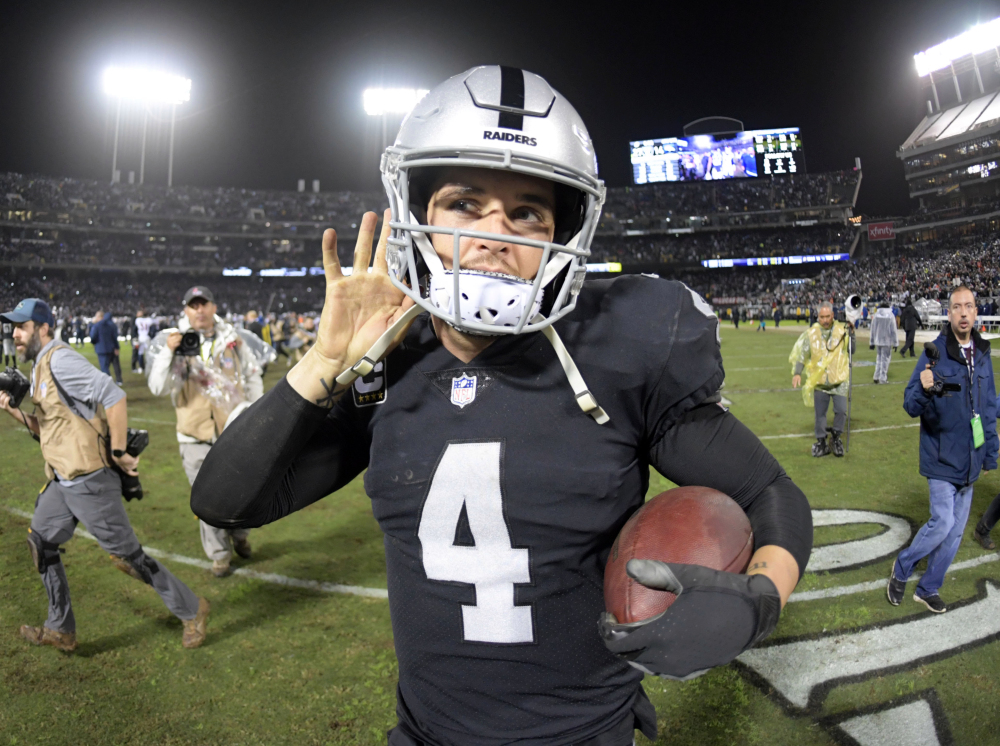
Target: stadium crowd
x=736, y=195
x=876, y=278
x=99, y=198
x=691, y=248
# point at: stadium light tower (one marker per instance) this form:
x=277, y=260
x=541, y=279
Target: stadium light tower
x=148, y=86
x=384, y=101
x=976, y=40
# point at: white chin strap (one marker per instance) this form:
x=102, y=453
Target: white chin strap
x=584, y=398
x=490, y=298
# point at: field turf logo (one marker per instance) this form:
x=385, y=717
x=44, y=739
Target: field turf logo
x=510, y=137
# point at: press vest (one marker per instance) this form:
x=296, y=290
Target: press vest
x=71, y=445
x=197, y=416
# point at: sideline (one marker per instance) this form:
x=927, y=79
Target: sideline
x=859, y=430
x=874, y=585
x=772, y=391
x=267, y=577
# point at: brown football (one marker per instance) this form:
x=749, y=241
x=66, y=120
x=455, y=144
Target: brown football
x=686, y=525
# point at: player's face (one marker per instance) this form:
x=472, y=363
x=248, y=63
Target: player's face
x=492, y=202
x=200, y=314
x=962, y=313
x=825, y=318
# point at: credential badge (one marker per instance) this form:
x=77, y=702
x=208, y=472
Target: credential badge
x=463, y=390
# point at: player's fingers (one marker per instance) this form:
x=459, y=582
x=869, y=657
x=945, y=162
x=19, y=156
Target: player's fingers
x=381, y=265
x=331, y=263
x=363, y=248
x=653, y=574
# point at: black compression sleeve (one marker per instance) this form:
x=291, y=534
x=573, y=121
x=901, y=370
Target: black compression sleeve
x=709, y=447
x=281, y=454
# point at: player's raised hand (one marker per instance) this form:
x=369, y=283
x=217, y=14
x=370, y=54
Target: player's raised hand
x=357, y=310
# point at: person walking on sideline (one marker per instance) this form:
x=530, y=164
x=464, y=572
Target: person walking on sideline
x=958, y=440
x=909, y=320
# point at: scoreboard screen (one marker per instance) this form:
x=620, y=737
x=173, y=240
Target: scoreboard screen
x=744, y=155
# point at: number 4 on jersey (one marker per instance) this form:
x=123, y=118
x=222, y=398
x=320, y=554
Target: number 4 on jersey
x=469, y=474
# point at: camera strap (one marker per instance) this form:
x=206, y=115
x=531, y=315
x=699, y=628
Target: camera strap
x=71, y=403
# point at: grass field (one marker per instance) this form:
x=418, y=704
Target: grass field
x=300, y=666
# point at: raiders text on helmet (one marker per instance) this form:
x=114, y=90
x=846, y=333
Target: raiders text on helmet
x=497, y=118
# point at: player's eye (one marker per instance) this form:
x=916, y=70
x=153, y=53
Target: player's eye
x=526, y=214
x=463, y=205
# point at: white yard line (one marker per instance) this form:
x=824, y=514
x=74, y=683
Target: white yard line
x=783, y=367
x=874, y=585
x=267, y=577
x=859, y=430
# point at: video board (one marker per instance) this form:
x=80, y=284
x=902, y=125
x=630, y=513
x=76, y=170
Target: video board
x=744, y=155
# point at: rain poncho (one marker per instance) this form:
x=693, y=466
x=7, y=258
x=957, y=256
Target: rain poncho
x=219, y=388
x=825, y=359
x=884, y=328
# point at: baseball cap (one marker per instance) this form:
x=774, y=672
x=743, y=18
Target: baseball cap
x=31, y=309
x=198, y=291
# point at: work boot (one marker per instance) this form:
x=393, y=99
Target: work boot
x=981, y=535
x=220, y=568
x=65, y=641
x=196, y=629
x=933, y=602
x=896, y=588
x=242, y=547
x=835, y=444
x=820, y=448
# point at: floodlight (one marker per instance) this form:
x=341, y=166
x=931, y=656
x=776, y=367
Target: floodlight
x=146, y=85
x=380, y=101
x=977, y=39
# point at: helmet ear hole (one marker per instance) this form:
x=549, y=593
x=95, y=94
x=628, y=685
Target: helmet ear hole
x=570, y=206
x=549, y=299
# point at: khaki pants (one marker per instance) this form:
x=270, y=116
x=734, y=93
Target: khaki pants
x=217, y=542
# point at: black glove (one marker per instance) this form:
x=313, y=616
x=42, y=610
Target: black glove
x=717, y=615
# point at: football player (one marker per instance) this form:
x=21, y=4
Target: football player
x=507, y=414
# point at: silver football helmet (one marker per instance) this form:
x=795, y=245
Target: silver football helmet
x=498, y=118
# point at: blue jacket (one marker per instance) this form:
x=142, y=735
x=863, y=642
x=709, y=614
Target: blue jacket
x=946, y=450
x=104, y=336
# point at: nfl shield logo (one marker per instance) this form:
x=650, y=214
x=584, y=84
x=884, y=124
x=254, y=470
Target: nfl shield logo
x=463, y=390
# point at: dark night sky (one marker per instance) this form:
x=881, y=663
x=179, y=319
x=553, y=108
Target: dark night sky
x=277, y=86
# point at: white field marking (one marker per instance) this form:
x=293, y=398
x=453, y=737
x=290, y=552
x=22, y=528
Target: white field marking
x=848, y=553
x=857, y=364
x=874, y=585
x=911, y=724
x=796, y=668
x=859, y=430
x=772, y=391
x=154, y=422
x=267, y=577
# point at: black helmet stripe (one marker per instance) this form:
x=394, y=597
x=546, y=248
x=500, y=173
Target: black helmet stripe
x=512, y=95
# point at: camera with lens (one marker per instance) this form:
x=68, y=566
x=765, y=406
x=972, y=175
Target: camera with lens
x=135, y=443
x=15, y=383
x=190, y=345
x=940, y=387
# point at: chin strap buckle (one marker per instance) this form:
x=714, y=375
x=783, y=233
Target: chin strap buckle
x=585, y=399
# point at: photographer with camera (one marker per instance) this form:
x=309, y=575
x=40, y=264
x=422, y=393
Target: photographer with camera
x=80, y=420
x=823, y=352
x=952, y=392
x=212, y=373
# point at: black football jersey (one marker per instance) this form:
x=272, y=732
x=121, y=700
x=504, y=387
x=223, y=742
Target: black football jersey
x=500, y=499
